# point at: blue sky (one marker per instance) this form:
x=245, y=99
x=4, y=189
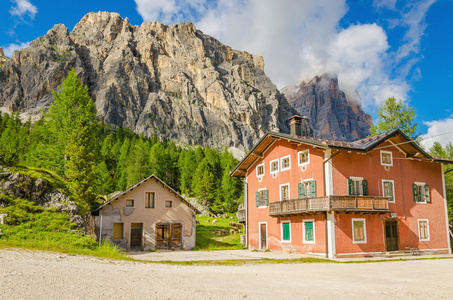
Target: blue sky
x=382, y=48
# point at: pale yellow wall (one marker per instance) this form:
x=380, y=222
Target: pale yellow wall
x=117, y=211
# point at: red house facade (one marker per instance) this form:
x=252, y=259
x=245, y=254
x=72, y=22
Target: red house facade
x=367, y=197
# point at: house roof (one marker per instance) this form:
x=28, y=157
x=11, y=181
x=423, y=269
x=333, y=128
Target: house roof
x=396, y=137
x=96, y=211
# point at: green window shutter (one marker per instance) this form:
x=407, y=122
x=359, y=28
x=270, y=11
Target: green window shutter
x=266, y=199
x=365, y=187
x=313, y=188
x=414, y=190
x=427, y=198
x=286, y=231
x=309, y=232
x=257, y=199
x=301, y=190
x=349, y=186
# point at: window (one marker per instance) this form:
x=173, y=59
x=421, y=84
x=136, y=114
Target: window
x=260, y=170
x=358, y=231
x=274, y=166
x=117, y=231
x=421, y=192
x=388, y=190
x=423, y=230
x=304, y=158
x=386, y=158
x=286, y=232
x=307, y=188
x=129, y=202
x=284, y=192
x=309, y=231
x=149, y=200
x=168, y=203
x=357, y=186
x=286, y=163
x=261, y=198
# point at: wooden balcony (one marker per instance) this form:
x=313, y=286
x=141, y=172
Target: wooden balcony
x=346, y=204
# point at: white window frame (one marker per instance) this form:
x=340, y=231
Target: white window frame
x=308, y=157
x=281, y=163
x=278, y=166
x=361, y=185
x=306, y=182
x=303, y=231
x=391, y=158
x=264, y=170
x=281, y=231
x=280, y=191
x=263, y=189
x=267, y=235
x=427, y=226
x=364, y=230
x=422, y=184
x=393, y=189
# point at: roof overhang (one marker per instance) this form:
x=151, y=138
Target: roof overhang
x=96, y=211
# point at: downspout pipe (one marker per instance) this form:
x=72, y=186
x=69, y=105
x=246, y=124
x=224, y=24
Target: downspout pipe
x=325, y=194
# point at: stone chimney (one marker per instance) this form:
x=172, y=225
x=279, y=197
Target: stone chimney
x=300, y=125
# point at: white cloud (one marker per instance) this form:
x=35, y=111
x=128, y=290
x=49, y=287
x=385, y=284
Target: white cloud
x=440, y=131
x=389, y=4
x=22, y=8
x=9, y=49
x=299, y=39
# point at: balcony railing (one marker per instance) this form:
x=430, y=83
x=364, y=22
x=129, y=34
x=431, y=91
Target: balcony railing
x=361, y=204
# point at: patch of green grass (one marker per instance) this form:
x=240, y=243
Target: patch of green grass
x=207, y=238
x=33, y=227
x=55, y=181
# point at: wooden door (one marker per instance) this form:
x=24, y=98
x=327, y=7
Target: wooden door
x=391, y=235
x=162, y=234
x=175, y=235
x=136, y=235
x=263, y=236
x=168, y=235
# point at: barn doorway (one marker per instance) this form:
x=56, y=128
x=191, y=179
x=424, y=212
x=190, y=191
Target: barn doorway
x=136, y=236
x=391, y=235
x=168, y=235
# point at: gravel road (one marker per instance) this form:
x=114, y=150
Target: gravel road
x=26, y=274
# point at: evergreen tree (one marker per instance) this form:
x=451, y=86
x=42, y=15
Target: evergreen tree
x=120, y=177
x=72, y=120
x=446, y=152
x=137, y=167
x=394, y=114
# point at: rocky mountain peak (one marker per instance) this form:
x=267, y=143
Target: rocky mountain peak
x=169, y=80
x=3, y=58
x=331, y=113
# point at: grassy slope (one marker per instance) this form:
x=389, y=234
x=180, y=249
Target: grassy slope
x=208, y=240
x=33, y=227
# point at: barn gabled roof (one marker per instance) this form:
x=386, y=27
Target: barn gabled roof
x=96, y=211
x=396, y=137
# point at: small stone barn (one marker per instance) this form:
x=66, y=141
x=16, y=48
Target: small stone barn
x=149, y=215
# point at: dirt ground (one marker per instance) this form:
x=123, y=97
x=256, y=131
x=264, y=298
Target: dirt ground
x=26, y=274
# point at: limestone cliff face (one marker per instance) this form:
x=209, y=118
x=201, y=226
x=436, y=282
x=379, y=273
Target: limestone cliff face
x=171, y=80
x=331, y=114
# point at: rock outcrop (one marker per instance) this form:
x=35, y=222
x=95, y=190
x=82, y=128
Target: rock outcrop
x=332, y=115
x=173, y=80
x=37, y=190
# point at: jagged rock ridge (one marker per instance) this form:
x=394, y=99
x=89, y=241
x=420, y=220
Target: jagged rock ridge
x=332, y=115
x=171, y=80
